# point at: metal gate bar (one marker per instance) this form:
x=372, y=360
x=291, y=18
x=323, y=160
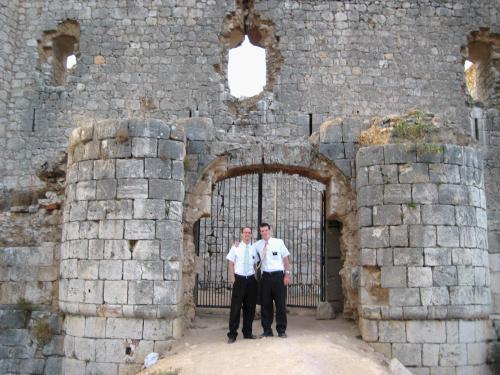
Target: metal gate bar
x=296, y=211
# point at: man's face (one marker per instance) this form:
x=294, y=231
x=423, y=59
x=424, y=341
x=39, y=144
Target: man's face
x=246, y=234
x=265, y=233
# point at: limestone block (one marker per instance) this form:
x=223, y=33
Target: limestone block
x=362, y=176
x=106, y=189
x=444, y=173
x=411, y=214
x=422, y=236
x=96, y=210
x=413, y=173
x=112, y=350
x=452, y=332
x=419, y=276
x=110, y=269
x=392, y=331
x=385, y=257
x=78, y=210
x=73, y=366
x=430, y=355
x=101, y=368
x=85, y=190
x=387, y=215
x=444, y=276
x=129, y=168
x=111, y=229
x=117, y=249
x=438, y=214
x=397, y=193
x=370, y=195
x=369, y=329
x=84, y=349
x=452, y=354
x=177, y=170
x=367, y=156
x=368, y=257
x=462, y=256
x=331, y=130
x=146, y=250
x=399, y=154
x=430, y=331
x=404, y=297
x=139, y=229
x=168, y=230
x=12, y=319
x=75, y=325
x=465, y=215
x=93, y=292
x=332, y=151
x=425, y=193
x=88, y=269
x=151, y=270
x=461, y=295
x=149, y=209
x=115, y=292
x=132, y=270
x=407, y=256
x=374, y=237
x=383, y=174
x=448, y=236
x=453, y=194
x=467, y=331
x=175, y=211
x=140, y=292
x=465, y=275
x=435, y=296
x=398, y=235
x=96, y=249
x=467, y=237
x=167, y=292
x=75, y=290
x=171, y=190
x=95, y=327
x=435, y=256
x=481, y=218
x=124, y=328
x=104, y=169
x=476, y=197
x=151, y=128
x=68, y=268
x=393, y=277
x=171, y=149
x=111, y=149
x=144, y=147
x=157, y=329
x=364, y=217
x=32, y=366
x=121, y=209
x=408, y=354
x=132, y=188
x=157, y=168
x=89, y=229
x=453, y=154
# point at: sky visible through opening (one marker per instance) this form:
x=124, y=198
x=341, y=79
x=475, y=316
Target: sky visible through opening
x=246, y=71
x=70, y=61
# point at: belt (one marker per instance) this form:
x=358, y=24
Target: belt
x=245, y=277
x=273, y=272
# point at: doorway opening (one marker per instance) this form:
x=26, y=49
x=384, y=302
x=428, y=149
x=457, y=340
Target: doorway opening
x=295, y=208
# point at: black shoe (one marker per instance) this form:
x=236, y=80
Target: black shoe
x=282, y=335
x=251, y=337
x=231, y=340
x=267, y=334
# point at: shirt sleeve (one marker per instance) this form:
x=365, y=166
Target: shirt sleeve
x=232, y=254
x=284, y=250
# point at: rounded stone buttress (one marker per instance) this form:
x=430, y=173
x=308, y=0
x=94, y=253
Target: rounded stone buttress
x=424, y=286
x=120, y=269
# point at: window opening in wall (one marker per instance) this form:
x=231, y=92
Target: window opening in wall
x=310, y=123
x=71, y=62
x=246, y=70
x=476, y=129
x=479, y=76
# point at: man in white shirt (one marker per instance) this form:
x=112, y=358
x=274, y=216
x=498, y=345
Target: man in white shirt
x=275, y=277
x=241, y=265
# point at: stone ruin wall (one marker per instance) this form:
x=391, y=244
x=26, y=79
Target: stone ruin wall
x=165, y=60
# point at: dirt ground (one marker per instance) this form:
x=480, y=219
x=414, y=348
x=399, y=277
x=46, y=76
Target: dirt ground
x=313, y=346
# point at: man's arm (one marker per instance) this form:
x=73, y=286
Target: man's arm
x=230, y=266
x=286, y=264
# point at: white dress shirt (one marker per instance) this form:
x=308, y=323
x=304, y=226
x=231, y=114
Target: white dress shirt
x=276, y=251
x=237, y=256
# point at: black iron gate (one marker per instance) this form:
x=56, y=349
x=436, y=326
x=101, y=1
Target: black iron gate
x=293, y=205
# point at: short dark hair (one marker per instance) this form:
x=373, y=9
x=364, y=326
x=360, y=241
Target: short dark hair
x=262, y=225
x=243, y=228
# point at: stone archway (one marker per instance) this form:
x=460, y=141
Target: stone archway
x=303, y=160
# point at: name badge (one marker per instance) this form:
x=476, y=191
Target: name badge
x=275, y=253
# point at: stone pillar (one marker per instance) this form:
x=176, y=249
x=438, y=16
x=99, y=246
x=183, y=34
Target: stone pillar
x=425, y=282
x=121, y=249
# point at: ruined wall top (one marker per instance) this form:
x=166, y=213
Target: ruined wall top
x=167, y=59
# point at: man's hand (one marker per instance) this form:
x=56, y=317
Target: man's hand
x=286, y=279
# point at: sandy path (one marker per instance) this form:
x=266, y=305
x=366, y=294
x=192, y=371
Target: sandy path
x=312, y=347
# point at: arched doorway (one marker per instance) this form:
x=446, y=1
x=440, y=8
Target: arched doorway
x=302, y=160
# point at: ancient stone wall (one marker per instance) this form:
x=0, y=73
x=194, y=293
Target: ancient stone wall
x=425, y=281
x=120, y=270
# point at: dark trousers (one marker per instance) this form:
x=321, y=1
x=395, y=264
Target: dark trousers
x=273, y=289
x=244, y=295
